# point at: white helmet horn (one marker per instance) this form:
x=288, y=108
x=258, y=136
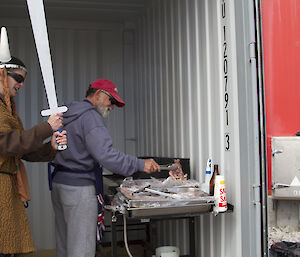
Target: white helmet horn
x=4, y=46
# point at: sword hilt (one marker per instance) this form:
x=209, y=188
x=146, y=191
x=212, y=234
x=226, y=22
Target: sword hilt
x=61, y=147
x=50, y=111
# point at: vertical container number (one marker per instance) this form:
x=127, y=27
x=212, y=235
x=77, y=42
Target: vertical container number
x=226, y=77
x=227, y=141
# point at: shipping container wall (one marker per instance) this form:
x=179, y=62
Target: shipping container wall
x=81, y=53
x=190, y=89
x=197, y=98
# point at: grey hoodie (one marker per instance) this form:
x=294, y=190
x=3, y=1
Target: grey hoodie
x=89, y=143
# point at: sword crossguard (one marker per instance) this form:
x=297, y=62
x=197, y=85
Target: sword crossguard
x=50, y=111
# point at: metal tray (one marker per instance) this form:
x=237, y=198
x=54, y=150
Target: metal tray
x=184, y=198
x=187, y=210
x=163, y=203
x=181, y=194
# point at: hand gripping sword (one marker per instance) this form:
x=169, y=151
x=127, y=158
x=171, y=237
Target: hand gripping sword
x=39, y=28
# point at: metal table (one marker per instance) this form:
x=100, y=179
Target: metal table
x=190, y=212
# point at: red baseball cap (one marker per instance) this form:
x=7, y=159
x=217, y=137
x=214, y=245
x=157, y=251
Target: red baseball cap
x=110, y=87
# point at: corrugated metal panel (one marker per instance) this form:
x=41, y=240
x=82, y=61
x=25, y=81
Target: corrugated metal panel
x=192, y=96
x=188, y=95
x=80, y=55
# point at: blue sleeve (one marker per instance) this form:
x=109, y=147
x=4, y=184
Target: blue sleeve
x=99, y=145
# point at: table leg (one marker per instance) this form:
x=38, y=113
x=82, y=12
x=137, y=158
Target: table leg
x=192, y=236
x=113, y=235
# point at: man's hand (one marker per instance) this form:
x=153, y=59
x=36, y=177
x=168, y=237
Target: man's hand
x=58, y=138
x=177, y=174
x=55, y=121
x=151, y=166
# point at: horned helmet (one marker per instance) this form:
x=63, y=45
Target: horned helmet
x=8, y=62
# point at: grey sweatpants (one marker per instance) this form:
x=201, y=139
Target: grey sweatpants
x=75, y=209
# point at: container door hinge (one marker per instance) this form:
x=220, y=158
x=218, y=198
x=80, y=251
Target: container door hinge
x=256, y=194
x=252, y=52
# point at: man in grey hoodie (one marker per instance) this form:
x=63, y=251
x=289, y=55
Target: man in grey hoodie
x=79, y=168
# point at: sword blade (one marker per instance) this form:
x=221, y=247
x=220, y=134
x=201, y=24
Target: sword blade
x=39, y=28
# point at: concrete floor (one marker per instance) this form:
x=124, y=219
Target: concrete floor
x=136, y=251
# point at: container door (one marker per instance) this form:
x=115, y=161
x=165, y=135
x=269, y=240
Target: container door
x=259, y=181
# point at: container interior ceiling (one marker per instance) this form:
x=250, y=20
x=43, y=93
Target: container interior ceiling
x=87, y=10
x=187, y=95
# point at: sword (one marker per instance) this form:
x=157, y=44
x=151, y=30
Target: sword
x=39, y=28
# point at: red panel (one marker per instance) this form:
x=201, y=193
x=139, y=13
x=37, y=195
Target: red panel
x=281, y=46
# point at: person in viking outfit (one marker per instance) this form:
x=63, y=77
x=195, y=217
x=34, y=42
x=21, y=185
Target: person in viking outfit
x=16, y=144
